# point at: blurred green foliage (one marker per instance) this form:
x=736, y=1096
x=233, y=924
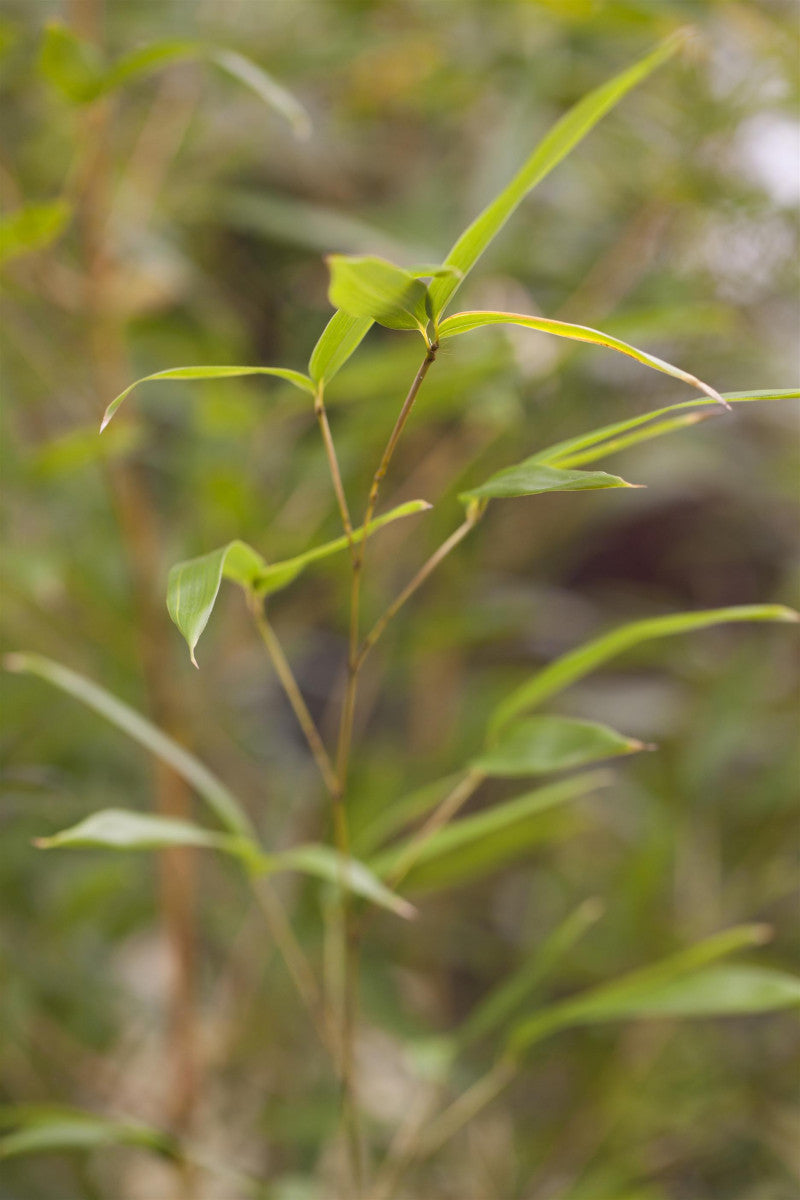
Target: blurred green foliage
x=670, y=226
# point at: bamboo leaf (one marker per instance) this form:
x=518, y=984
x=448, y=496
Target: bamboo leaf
x=274, y=94
x=467, y=321
x=295, y=377
x=376, y=289
x=531, y=478
x=541, y=744
x=579, y=662
x=220, y=799
x=339, y=339
x=123, y=829
x=40, y=1129
x=564, y=135
x=32, y=227
x=357, y=877
x=596, y=443
x=684, y=985
x=72, y=66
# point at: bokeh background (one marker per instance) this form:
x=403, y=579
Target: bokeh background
x=199, y=229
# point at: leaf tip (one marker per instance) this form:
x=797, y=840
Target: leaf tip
x=193, y=658
x=107, y=415
x=405, y=909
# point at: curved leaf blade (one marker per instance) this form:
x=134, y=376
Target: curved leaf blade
x=220, y=799
x=532, y=478
x=32, y=227
x=339, y=339
x=565, y=134
x=125, y=829
x=326, y=863
x=375, y=289
x=193, y=586
x=538, y=745
x=295, y=377
x=579, y=662
x=40, y=1129
x=467, y=321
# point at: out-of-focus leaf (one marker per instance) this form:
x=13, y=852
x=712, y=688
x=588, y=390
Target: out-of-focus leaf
x=40, y=1129
x=32, y=227
x=339, y=339
x=538, y=745
x=495, y=832
x=376, y=289
x=598, y=442
x=220, y=799
x=193, y=586
x=263, y=84
x=683, y=985
x=123, y=829
x=556, y=144
x=296, y=377
x=74, y=67
x=466, y=321
x=80, y=447
x=357, y=877
x=577, y=663
x=530, y=478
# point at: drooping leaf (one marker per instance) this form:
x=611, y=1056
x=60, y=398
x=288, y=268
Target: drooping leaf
x=683, y=985
x=556, y=144
x=596, y=443
x=295, y=377
x=530, y=478
x=579, y=662
x=339, y=339
x=220, y=799
x=497, y=835
x=32, y=227
x=538, y=745
x=357, y=877
x=274, y=94
x=193, y=586
x=467, y=321
x=376, y=289
x=40, y=1129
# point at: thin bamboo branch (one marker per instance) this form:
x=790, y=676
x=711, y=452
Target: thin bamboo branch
x=444, y=812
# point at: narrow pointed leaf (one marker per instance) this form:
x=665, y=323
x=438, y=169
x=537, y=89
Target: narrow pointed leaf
x=467, y=321
x=74, y=67
x=123, y=829
x=357, y=877
x=564, y=135
x=41, y=1129
x=32, y=227
x=339, y=339
x=530, y=478
x=577, y=663
x=274, y=94
x=538, y=745
x=220, y=799
x=688, y=984
x=376, y=289
x=295, y=377
x=193, y=586
x=566, y=453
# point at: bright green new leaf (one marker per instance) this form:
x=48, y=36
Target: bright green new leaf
x=538, y=745
x=587, y=447
x=378, y=290
x=32, y=227
x=74, y=67
x=193, y=586
x=341, y=336
x=564, y=135
x=357, y=877
x=530, y=478
x=683, y=985
x=467, y=321
x=220, y=799
x=577, y=663
x=41, y=1129
x=296, y=377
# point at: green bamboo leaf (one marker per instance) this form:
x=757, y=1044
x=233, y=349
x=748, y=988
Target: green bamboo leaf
x=530, y=478
x=41, y=1129
x=467, y=321
x=32, y=227
x=340, y=337
x=296, y=377
x=376, y=289
x=683, y=985
x=193, y=586
x=489, y=838
x=220, y=799
x=577, y=663
x=72, y=66
x=274, y=94
x=599, y=441
x=357, y=877
x=538, y=745
x=564, y=135
x=123, y=829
